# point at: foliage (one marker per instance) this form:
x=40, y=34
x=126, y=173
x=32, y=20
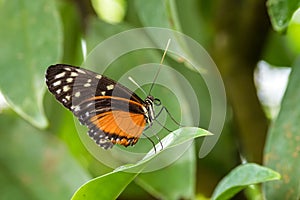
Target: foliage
x=42, y=156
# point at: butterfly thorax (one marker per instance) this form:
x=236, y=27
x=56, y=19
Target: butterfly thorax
x=149, y=109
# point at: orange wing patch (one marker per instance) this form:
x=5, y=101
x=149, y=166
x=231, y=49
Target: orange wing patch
x=127, y=126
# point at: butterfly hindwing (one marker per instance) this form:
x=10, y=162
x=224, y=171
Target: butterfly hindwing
x=106, y=107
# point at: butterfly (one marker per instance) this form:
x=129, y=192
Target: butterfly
x=113, y=113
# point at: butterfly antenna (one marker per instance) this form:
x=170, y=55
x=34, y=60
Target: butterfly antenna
x=135, y=83
x=162, y=59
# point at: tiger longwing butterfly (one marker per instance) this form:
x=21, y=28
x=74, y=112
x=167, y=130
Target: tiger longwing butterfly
x=112, y=112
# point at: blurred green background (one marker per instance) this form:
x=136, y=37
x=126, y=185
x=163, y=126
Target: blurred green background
x=254, y=43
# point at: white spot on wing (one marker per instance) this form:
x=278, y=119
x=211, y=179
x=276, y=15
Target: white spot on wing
x=66, y=88
x=87, y=85
x=58, y=91
x=76, y=108
x=89, y=80
x=60, y=75
x=98, y=76
x=103, y=93
x=74, y=74
x=110, y=87
x=67, y=68
x=56, y=83
x=69, y=80
x=77, y=94
x=80, y=71
x=68, y=97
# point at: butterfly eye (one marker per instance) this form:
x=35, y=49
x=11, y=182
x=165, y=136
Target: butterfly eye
x=157, y=102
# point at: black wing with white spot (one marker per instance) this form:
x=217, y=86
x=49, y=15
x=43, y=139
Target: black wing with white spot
x=88, y=94
x=72, y=85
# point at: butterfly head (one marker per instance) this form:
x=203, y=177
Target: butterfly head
x=150, y=101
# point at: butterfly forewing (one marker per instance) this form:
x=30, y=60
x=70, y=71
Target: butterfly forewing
x=111, y=111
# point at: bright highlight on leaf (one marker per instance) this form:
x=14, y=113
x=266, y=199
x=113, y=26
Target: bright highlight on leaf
x=111, y=11
x=293, y=32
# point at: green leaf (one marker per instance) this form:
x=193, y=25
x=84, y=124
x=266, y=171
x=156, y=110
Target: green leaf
x=194, y=18
x=242, y=177
x=281, y=11
x=188, y=17
x=111, y=11
x=98, y=31
x=294, y=32
x=116, y=181
x=35, y=164
x=182, y=169
x=108, y=186
x=285, y=57
x=175, y=138
x=30, y=41
x=72, y=32
x=282, y=148
x=155, y=13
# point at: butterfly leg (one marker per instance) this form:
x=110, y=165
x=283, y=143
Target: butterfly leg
x=152, y=142
x=164, y=108
x=156, y=138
